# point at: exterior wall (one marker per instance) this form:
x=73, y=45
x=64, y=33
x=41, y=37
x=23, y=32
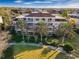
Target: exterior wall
x=50, y=24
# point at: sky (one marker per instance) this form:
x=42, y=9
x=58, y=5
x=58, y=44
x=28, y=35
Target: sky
x=40, y=3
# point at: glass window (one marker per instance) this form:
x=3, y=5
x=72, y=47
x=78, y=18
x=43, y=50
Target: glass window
x=60, y=19
x=24, y=18
x=49, y=20
x=31, y=33
x=37, y=19
x=30, y=24
x=43, y=19
x=50, y=24
x=49, y=29
x=30, y=19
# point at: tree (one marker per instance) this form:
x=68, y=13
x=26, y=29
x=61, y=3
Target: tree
x=42, y=29
x=65, y=14
x=64, y=31
x=67, y=48
x=4, y=38
x=5, y=13
x=22, y=26
x=73, y=22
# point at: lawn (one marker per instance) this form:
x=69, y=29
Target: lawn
x=31, y=52
x=35, y=53
x=22, y=48
x=75, y=45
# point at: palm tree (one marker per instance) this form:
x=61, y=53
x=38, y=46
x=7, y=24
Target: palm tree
x=71, y=21
x=69, y=25
x=65, y=14
x=64, y=30
x=22, y=26
x=42, y=29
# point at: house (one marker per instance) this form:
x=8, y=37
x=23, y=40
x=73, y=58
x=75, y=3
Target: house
x=1, y=20
x=75, y=16
x=32, y=19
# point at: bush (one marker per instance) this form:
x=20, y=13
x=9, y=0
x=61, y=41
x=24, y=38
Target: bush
x=17, y=37
x=46, y=50
x=54, y=42
x=76, y=30
x=67, y=48
x=32, y=39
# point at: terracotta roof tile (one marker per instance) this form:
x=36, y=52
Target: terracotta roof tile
x=39, y=15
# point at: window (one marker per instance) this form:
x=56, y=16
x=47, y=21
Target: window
x=37, y=19
x=30, y=24
x=49, y=33
x=49, y=29
x=24, y=18
x=30, y=33
x=30, y=19
x=15, y=19
x=49, y=20
x=50, y=24
x=43, y=19
x=60, y=19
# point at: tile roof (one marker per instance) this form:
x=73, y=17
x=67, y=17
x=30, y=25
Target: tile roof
x=39, y=15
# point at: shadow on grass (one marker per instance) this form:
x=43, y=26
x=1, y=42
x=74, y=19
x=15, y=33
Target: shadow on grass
x=21, y=48
x=45, y=51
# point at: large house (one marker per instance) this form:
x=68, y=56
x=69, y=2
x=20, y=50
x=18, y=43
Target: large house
x=52, y=21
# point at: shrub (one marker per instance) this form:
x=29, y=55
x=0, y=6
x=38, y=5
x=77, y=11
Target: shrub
x=54, y=42
x=32, y=39
x=76, y=30
x=17, y=37
x=46, y=50
x=67, y=48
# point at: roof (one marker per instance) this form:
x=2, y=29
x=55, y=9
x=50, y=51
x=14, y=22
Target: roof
x=22, y=16
x=39, y=15
x=74, y=16
x=59, y=17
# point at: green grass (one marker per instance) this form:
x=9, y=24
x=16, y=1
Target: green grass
x=16, y=49
x=21, y=48
x=74, y=42
x=63, y=56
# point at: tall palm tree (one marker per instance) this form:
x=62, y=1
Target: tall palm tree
x=22, y=26
x=68, y=26
x=64, y=30
x=71, y=21
x=42, y=29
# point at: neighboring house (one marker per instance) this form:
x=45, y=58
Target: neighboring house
x=1, y=20
x=32, y=19
x=75, y=16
